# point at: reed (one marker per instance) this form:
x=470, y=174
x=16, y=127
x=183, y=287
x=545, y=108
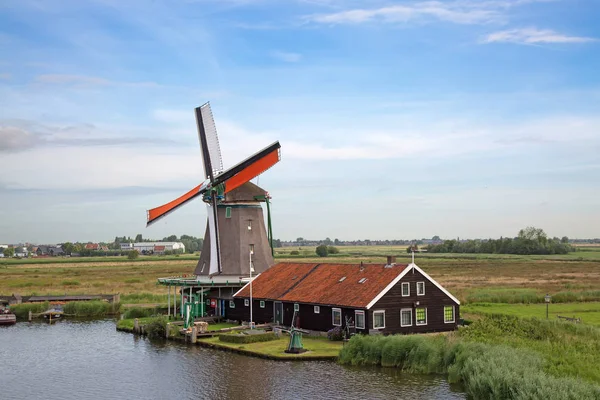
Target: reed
x=90, y=308
x=21, y=311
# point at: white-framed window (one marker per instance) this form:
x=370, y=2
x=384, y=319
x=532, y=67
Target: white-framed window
x=448, y=314
x=317, y=309
x=421, y=316
x=405, y=289
x=406, y=317
x=262, y=304
x=231, y=304
x=379, y=319
x=296, y=307
x=336, y=316
x=228, y=212
x=249, y=225
x=359, y=319
x=420, y=288
x=246, y=302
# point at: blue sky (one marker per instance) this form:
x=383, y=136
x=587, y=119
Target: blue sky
x=397, y=119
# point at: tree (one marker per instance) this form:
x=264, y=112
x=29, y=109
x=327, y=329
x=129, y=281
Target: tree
x=9, y=252
x=133, y=254
x=300, y=240
x=68, y=247
x=321, y=250
x=564, y=239
x=332, y=250
x=436, y=238
x=139, y=238
x=411, y=248
x=327, y=242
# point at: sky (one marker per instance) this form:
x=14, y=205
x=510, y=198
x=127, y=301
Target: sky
x=397, y=119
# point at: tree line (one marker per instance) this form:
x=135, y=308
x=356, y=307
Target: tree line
x=529, y=241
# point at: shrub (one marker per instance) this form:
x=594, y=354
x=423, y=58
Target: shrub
x=157, y=328
x=243, y=338
x=332, y=250
x=335, y=334
x=133, y=254
x=321, y=250
x=21, y=311
x=139, y=312
x=294, y=253
x=70, y=283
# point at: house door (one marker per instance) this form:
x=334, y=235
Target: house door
x=278, y=312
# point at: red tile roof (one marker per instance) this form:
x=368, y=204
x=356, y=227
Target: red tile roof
x=92, y=246
x=320, y=283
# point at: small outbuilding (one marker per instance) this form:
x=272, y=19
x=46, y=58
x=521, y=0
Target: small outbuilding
x=371, y=298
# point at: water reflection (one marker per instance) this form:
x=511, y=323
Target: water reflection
x=90, y=359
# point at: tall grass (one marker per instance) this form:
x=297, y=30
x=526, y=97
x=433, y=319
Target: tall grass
x=139, y=312
x=21, y=311
x=487, y=371
x=90, y=308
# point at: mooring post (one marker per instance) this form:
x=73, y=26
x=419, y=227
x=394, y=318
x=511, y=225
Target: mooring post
x=167, y=330
x=136, y=325
x=194, y=334
x=30, y=315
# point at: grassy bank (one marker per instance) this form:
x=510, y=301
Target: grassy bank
x=588, y=312
x=316, y=347
x=496, y=357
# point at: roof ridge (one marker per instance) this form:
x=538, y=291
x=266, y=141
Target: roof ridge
x=299, y=281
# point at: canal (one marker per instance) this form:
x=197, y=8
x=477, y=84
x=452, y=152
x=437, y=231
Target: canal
x=91, y=360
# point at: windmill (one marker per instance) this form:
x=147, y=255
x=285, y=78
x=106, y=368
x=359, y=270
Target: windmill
x=234, y=213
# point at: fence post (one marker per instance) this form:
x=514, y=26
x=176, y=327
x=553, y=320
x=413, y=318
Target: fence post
x=30, y=315
x=136, y=325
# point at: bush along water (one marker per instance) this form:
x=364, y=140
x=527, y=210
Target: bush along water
x=486, y=370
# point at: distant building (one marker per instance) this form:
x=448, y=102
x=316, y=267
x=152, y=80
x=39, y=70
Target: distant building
x=149, y=247
x=126, y=246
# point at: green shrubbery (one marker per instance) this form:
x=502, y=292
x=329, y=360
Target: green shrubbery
x=139, y=312
x=487, y=371
x=156, y=328
x=244, y=339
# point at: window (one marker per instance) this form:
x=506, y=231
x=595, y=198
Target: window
x=296, y=307
x=405, y=289
x=336, y=314
x=342, y=279
x=421, y=316
x=231, y=304
x=317, y=309
x=362, y=280
x=420, y=288
x=251, y=249
x=378, y=319
x=406, y=317
x=228, y=212
x=249, y=225
x=262, y=304
x=359, y=319
x=208, y=302
x=246, y=302
x=448, y=314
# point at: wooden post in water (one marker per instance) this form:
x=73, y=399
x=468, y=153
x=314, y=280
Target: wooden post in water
x=168, y=329
x=30, y=316
x=194, y=334
x=136, y=325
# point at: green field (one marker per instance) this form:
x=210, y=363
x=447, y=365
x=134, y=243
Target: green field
x=588, y=312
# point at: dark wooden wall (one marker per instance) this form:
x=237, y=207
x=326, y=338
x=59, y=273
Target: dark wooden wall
x=434, y=300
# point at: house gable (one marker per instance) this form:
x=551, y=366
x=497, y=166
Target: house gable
x=399, y=278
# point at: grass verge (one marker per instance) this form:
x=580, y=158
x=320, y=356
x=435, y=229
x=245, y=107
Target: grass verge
x=496, y=357
x=317, y=348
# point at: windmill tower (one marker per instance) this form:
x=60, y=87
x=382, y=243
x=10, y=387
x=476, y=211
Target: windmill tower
x=235, y=236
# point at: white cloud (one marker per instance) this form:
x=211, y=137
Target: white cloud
x=286, y=56
x=455, y=12
x=534, y=36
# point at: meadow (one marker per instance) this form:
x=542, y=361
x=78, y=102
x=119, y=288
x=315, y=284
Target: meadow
x=473, y=278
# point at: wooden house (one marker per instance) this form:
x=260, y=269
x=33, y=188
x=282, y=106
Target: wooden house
x=374, y=298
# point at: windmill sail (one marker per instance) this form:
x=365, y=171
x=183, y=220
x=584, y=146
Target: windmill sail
x=213, y=266
x=209, y=141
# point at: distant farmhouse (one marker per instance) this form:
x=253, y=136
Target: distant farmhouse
x=154, y=247
x=371, y=298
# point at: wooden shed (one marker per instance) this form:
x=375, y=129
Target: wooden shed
x=374, y=298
